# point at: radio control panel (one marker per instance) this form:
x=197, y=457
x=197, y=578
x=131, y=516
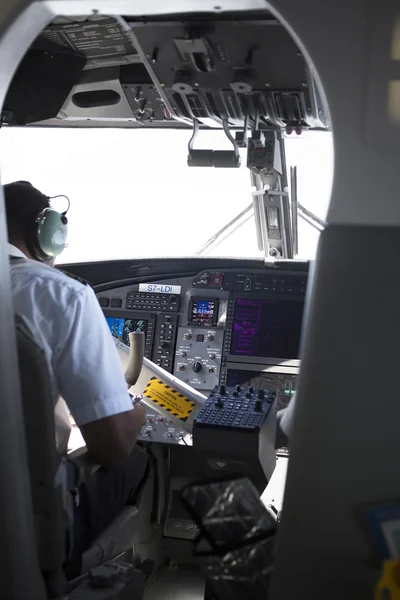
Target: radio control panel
x=152, y=301
x=198, y=356
x=162, y=430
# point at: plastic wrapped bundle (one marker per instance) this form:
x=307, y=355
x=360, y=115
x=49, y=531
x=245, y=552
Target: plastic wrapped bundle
x=237, y=537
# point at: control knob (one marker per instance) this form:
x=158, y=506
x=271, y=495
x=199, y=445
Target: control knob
x=250, y=392
x=259, y=405
x=210, y=338
x=197, y=366
x=222, y=389
x=260, y=400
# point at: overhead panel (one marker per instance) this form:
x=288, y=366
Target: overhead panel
x=103, y=41
x=234, y=72
x=225, y=70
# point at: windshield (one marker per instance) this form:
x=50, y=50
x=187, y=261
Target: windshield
x=133, y=196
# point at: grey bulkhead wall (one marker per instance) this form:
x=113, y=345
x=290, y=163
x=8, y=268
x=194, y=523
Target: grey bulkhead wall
x=20, y=577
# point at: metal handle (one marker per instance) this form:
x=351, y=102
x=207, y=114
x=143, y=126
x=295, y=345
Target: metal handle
x=213, y=158
x=295, y=238
x=136, y=355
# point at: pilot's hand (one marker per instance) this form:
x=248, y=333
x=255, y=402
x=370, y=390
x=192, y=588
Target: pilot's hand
x=140, y=413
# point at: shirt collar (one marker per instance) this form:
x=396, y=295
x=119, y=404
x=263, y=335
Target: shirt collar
x=15, y=252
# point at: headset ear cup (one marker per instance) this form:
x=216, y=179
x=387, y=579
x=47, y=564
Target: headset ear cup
x=51, y=233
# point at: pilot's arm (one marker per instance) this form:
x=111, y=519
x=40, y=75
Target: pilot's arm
x=91, y=380
x=285, y=418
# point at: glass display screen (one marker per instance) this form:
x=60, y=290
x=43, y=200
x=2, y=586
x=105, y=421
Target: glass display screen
x=204, y=312
x=121, y=328
x=267, y=327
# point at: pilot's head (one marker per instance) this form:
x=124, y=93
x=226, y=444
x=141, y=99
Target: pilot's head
x=33, y=226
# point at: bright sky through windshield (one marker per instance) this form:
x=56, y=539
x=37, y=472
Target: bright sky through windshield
x=133, y=195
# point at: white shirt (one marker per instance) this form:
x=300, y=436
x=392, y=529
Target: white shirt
x=286, y=417
x=68, y=323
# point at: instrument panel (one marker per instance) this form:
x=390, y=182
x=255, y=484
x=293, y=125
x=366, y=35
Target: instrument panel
x=224, y=327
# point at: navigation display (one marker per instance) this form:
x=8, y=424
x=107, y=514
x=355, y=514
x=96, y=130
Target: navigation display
x=203, y=311
x=267, y=327
x=121, y=328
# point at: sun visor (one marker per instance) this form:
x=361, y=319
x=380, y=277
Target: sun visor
x=41, y=84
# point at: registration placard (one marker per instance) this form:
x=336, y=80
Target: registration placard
x=158, y=288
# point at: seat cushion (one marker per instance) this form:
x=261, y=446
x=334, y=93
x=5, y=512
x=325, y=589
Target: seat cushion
x=114, y=540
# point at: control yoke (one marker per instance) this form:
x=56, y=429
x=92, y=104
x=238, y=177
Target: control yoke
x=213, y=158
x=136, y=355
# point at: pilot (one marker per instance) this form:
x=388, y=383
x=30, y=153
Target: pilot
x=285, y=418
x=66, y=320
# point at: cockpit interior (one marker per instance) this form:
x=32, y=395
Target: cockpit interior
x=219, y=313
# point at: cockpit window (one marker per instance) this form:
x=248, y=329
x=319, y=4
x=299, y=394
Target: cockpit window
x=133, y=195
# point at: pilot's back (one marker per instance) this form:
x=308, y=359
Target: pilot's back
x=42, y=295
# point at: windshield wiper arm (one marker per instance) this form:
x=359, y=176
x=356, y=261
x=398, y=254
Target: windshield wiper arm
x=227, y=229
x=311, y=218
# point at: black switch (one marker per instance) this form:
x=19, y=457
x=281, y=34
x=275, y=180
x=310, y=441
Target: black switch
x=116, y=302
x=222, y=389
x=104, y=302
x=261, y=394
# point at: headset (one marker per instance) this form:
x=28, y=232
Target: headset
x=47, y=238
x=46, y=232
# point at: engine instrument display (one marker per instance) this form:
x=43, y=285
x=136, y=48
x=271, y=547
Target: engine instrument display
x=203, y=311
x=267, y=327
x=121, y=328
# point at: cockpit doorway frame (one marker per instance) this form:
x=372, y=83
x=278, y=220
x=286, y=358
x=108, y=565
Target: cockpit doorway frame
x=347, y=42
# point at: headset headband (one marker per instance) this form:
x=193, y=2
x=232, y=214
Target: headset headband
x=49, y=198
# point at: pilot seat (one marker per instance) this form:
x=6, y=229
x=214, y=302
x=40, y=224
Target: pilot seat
x=52, y=481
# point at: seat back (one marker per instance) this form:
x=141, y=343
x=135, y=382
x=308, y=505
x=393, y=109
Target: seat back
x=43, y=460
x=118, y=537
x=52, y=477
x=122, y=533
